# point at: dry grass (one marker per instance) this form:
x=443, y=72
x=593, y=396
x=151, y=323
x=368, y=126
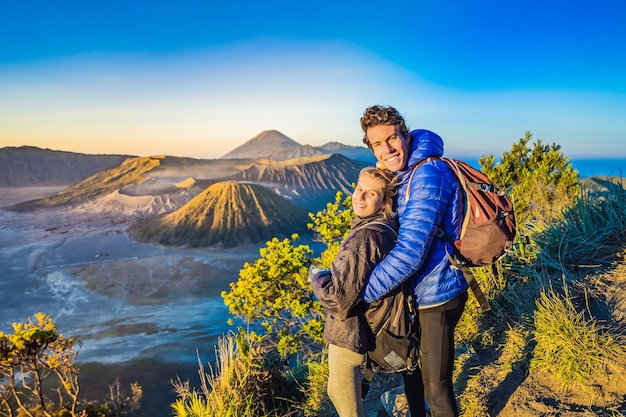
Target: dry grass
x=589, y=234
x=572, y=345
x=224, y=392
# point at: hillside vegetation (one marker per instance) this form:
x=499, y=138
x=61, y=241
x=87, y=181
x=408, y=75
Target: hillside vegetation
x=552, y=345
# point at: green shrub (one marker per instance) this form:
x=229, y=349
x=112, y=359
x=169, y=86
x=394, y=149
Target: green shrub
x=540, y=180
x=331, y=227
x=273, y=292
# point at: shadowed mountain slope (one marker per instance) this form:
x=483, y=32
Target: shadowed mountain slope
x=360, y=153
x=226, y=213
x=28, y=166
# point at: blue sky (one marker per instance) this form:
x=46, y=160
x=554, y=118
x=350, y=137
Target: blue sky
x=201, y=78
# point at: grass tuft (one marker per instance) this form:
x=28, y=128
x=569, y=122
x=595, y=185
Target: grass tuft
x=238, y=386
x=579, y=353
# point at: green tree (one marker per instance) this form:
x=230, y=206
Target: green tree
x=37, y=361
x=274, y=293
x=331, y=226
x=34, y=353
x=540, y=179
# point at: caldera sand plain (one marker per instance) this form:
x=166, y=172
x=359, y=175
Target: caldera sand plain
x=142, y=312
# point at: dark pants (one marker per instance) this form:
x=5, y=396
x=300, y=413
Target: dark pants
x=434, y=380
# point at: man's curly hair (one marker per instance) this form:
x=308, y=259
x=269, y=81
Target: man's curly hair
x=383, y=115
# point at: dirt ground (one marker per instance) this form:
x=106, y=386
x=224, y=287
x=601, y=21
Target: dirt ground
x=537, y=393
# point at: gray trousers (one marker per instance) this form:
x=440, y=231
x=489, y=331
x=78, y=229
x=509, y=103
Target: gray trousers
x=344, y=381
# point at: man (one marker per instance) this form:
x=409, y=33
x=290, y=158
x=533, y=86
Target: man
x=429, y=198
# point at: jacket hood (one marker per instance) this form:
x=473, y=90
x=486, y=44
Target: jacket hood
x=424, y=144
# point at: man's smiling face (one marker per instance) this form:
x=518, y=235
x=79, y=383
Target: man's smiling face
x=389, y=147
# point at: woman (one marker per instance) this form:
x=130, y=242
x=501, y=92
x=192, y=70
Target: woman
x=347, y=330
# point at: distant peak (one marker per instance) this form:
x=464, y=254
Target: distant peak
x=274, y=136
x=265, y=144
x=270, y=132
x=333, y=146
x=274, y=145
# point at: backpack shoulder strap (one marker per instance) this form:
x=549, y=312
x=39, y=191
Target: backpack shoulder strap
x=382, y=227
x=471, y=281
x=413, y=169
x=457, y=172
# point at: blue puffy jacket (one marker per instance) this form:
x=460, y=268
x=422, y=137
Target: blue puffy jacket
x=436, y=201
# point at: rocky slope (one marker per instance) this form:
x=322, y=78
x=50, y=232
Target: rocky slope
x=226, y=213
x=307, y=182
x=130, y=171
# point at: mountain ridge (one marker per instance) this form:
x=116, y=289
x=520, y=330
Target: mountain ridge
x=27, y=166
x=130, y=171
x=226, y=201
x=32, y=166
x=273, y=144
x=305, y=182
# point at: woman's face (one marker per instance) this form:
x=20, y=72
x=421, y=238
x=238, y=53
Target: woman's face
x=367, y=197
